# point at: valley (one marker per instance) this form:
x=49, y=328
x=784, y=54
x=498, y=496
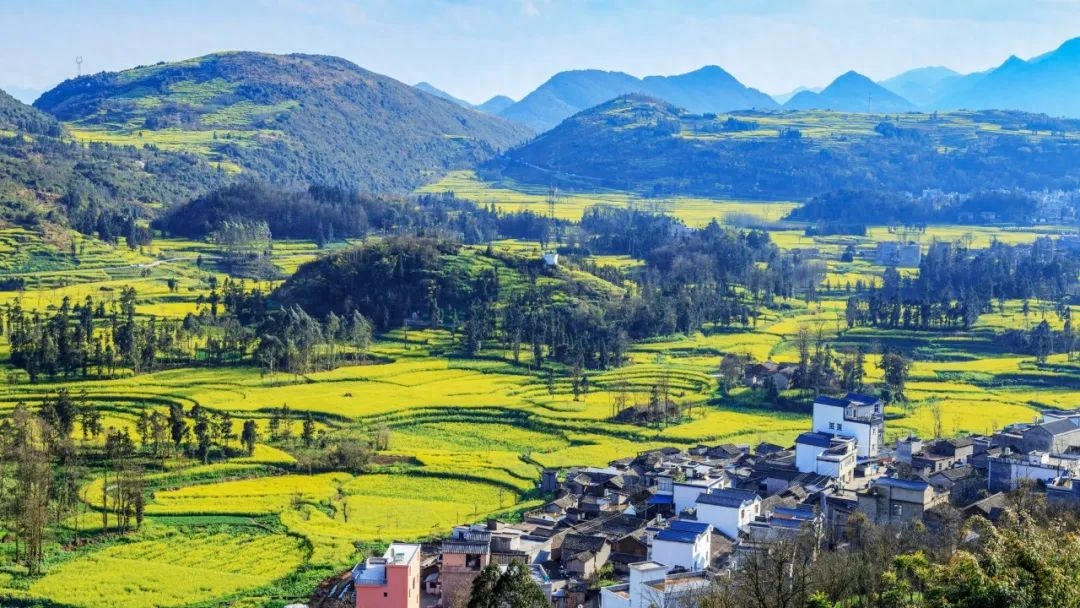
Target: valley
x=267, y=317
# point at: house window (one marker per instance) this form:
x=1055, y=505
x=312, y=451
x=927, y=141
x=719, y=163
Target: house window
x=832, y=425
x=839, y=426
x=897, y=510
x=384, y=594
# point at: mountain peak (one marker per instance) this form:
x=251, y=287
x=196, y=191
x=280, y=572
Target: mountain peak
x=325, y=119
x=707, y=89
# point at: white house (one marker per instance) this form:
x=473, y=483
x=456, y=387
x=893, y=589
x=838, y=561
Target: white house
x=685, y=493
x=728, y=510
x=826, y=454
x=651, y=585
x=859, y=417
x=683, y=543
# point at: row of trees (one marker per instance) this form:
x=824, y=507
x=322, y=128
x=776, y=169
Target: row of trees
x=956, y=285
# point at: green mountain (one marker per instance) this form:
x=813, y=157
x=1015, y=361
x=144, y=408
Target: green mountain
x=289, y=119
x=437, y=92
x=48, y=178
x=709, y=89
x=652, y=147
x=851, y=92
x=922, y=86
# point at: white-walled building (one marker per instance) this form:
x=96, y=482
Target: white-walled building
x=728, y=510
x=826, y=454
x=650, y=585
x=859, y=417
x=683, y=543
x=685, y=493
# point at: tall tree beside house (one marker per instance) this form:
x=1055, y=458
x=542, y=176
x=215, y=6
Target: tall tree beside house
x=483, y=588
x=514, y=588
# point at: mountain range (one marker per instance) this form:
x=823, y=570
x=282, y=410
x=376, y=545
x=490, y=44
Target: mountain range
x=851, y=92
x=650, y=146
x=292, y=120
x=1047, y=84
x=495, y=105
x=709, y=89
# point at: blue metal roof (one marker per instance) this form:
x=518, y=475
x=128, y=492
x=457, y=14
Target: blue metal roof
x=661, y=499
x=821, y=440
x=686, y=525
x=833, y=401
x=677, y=536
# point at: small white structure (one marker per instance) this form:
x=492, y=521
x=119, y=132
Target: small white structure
x=728, y=510
x=685, y=493
x=859, y=417
x=651, y=585
x=551, y=258
x=683, y=543
x=826, y=454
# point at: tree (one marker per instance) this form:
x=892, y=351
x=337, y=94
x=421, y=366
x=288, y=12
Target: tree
x=731, y=369
x=360, y=335
x=308, y=432
x=249, y=435
x=178, y=426
x=483, y=594
x=33, y=476
x=895, y=370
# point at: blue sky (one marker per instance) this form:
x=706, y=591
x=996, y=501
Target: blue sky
x=478, y=48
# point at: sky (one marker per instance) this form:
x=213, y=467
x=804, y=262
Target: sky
x=475, y=49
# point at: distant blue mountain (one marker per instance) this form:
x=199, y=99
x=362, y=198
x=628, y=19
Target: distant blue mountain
x=923, y=86
x=851, y=92
x=496, y=104
x=709, y=89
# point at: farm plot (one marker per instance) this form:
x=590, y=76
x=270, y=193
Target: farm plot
x=173, y=570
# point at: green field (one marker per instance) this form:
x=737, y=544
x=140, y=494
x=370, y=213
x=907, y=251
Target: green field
x=467, y=437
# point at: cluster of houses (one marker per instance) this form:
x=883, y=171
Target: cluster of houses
x=660, y=526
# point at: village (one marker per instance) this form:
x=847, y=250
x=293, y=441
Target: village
x=661, y=526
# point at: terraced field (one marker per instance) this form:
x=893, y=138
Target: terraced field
x=467, y=437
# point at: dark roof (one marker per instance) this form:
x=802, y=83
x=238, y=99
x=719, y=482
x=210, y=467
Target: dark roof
x=956, y=473
x=578, y=543
x=461, y=546
x=727, y=498
x=961, y=442
x=1058, y=427
x=768, y=448
x=821, y=440
x=907, y=484
x=833, y=401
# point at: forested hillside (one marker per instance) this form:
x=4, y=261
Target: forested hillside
x=291, y=120
x=45, y=177
x=644, y=144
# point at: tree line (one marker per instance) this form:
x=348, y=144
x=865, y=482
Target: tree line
x=955, y=285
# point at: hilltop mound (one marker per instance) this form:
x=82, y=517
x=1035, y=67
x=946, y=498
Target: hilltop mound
x=45, y=178
x=289, y=119
x=649, y=146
